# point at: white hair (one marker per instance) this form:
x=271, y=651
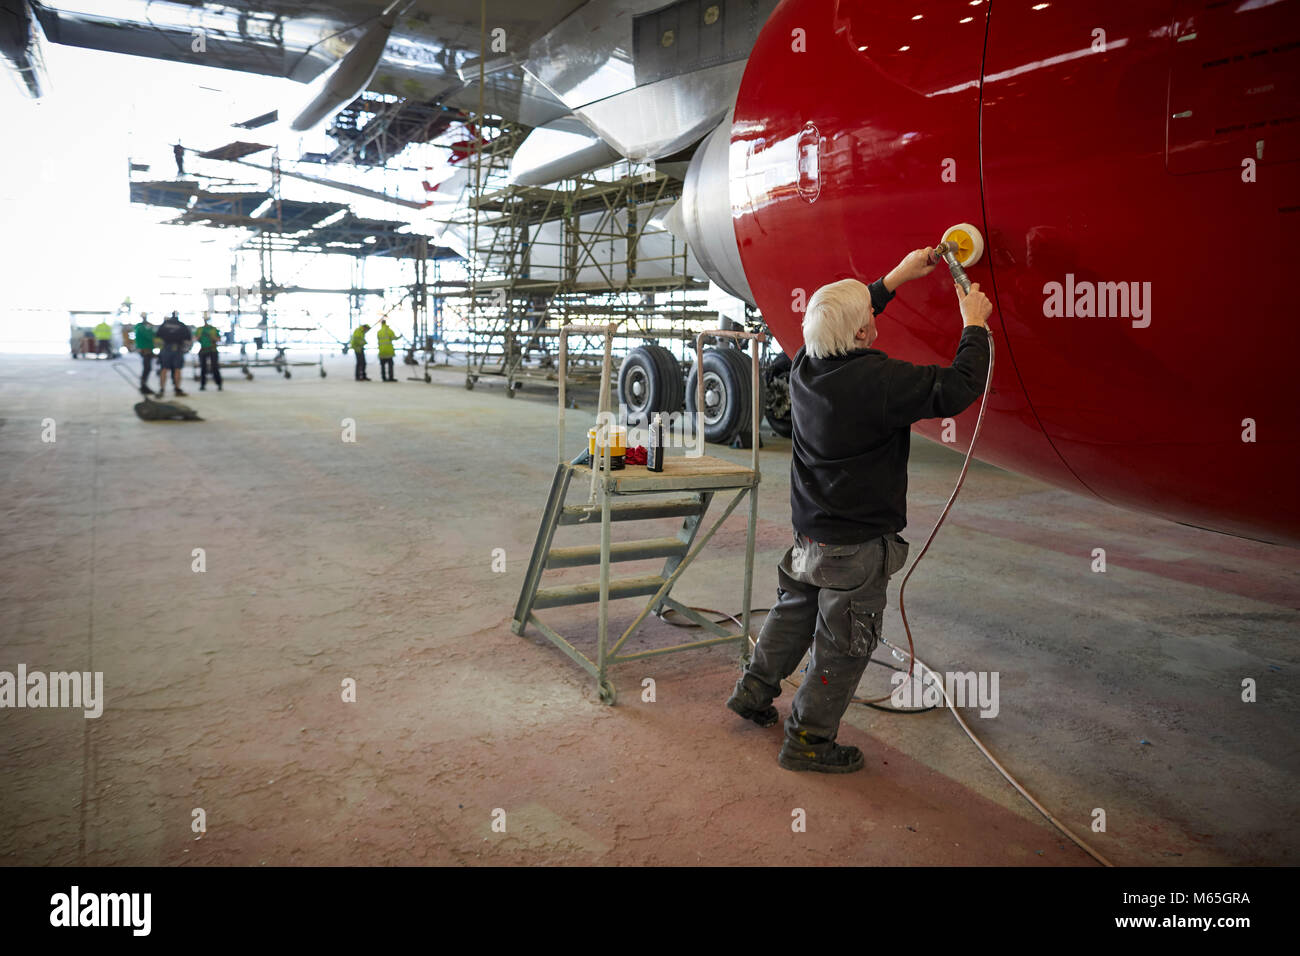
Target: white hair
x=835, y=313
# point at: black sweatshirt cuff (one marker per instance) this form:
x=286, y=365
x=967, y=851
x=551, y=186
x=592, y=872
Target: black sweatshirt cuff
x=880, y=296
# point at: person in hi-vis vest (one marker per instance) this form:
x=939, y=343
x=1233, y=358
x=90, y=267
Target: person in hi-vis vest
x=358, y=345
x=385, y=336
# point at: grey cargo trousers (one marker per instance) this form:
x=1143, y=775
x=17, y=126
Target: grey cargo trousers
x=830, y=596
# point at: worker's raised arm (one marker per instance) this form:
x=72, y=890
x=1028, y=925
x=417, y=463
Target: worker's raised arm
x=915, y=265
x=917, y=392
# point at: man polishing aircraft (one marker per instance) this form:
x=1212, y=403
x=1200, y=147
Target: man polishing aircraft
x=852, y=407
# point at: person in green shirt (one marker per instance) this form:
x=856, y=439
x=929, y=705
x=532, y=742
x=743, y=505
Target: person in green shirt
x=385, y=335
x=143, y=336
x=209, y=337
x=358, y=345
x=104, y=338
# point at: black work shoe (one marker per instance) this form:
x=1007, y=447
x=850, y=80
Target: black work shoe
x=839, y=759
x=743, y=702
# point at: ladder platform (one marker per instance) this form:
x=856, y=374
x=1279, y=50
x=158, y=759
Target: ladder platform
x=589, y=592
x=680, y=472
x=633, y=510
x=619, y=551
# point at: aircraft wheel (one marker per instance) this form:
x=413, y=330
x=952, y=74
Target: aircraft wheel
x=727, y=397
x=782, y=426
x=777, y=400
x=649, y=381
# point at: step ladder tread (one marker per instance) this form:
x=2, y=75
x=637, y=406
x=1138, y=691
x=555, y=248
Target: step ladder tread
x=589, y=591
x=633, y=510
x=643, y=549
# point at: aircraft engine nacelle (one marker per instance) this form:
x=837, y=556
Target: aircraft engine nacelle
x=703, y=216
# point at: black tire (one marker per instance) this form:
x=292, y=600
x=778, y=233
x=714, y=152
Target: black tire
x=776, y=400
x=727, y=379
x=649, y=381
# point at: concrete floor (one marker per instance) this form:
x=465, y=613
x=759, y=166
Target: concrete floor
x=373, y=561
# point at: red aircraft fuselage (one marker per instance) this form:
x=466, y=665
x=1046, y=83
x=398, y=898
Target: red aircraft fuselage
x=1133, y=168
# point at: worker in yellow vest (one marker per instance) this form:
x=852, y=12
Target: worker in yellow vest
x=385, y=335
x=358, y=345
x=104, y=339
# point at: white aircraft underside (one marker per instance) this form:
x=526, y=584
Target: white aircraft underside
x=643, y=79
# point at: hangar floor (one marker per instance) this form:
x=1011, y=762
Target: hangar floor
x=327, y=560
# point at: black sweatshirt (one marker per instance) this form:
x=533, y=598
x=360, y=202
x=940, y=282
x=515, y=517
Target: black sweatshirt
x=852, y=418
x=174, y=334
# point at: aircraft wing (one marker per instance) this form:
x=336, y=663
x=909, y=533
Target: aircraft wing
x=431, y=54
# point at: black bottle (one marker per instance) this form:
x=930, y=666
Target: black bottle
x=654, y=456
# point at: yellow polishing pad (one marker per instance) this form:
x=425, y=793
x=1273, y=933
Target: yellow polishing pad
x=970, y=244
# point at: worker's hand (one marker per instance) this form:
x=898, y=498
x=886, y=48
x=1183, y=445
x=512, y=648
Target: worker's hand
x=915, y=265
x=975, y=305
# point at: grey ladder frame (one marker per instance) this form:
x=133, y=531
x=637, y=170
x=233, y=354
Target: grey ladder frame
x=679, y=552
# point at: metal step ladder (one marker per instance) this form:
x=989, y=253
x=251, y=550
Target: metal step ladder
x=684, y=489
x=546, y=557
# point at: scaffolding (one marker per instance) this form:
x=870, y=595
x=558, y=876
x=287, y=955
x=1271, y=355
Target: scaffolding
x=375, y=128
x=591, y=249
x=582, y=251
x=279, y=227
